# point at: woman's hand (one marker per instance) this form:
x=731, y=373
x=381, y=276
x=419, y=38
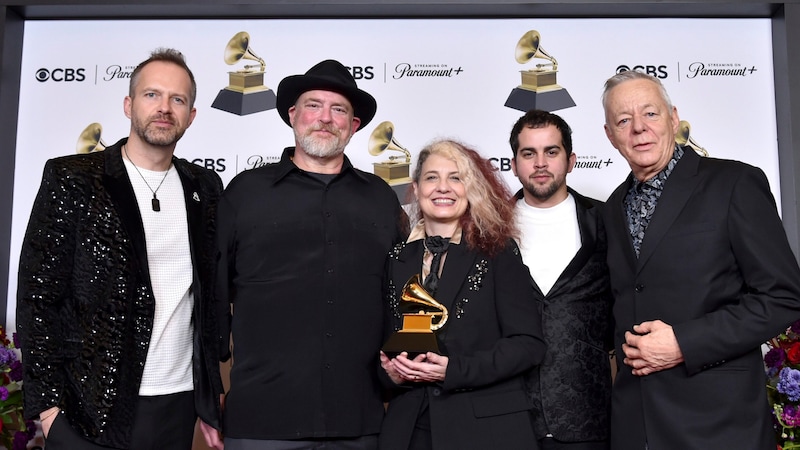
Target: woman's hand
x=390, y=369
x=424, y=368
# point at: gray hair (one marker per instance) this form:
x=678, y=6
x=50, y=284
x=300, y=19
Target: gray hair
x=628, y=75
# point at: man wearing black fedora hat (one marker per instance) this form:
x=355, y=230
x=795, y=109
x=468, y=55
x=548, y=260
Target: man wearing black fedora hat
x=302, y=250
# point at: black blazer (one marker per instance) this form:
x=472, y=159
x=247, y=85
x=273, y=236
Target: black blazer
x=715, y=264
x=571, y=388
x=84, y=302
x=492, y=338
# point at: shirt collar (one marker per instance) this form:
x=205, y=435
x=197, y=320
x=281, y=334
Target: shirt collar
x=657, y=182
x=287, y=166
x=418, y=233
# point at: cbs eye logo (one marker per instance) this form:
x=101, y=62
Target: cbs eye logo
x=656, y=71
x=60, y=75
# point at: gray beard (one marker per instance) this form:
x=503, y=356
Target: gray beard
x=321, y=148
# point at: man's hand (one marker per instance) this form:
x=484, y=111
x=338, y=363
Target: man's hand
x=47, y=417
x=651, y=347
x=212, y=436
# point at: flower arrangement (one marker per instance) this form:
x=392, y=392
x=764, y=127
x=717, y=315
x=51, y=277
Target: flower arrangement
x=782, y=363
x=15, y=431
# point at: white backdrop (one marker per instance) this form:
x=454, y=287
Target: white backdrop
x=86, y=64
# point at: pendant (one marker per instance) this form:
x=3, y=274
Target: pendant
x=156, y=204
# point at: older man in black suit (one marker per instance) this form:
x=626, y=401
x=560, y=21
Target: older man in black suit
x=701, y=273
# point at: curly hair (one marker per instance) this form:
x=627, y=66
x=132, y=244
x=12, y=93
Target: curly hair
x=488, y=224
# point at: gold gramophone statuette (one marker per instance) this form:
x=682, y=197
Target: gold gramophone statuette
x=425, y=316
x=396, y=169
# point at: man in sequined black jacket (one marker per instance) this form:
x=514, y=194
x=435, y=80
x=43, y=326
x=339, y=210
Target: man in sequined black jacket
x=86, y=301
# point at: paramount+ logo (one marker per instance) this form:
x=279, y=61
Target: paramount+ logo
x=61, y=75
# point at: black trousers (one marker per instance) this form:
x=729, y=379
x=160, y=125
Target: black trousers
x=162, y=422
x=553, y=444
x=360, y=443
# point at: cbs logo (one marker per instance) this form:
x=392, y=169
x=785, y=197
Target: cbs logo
x=60, y=74
x=217, y=165
x=362, y=73
x=656, y=71
x=503, y=164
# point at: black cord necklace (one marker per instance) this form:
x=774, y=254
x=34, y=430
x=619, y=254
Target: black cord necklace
x=155, y=203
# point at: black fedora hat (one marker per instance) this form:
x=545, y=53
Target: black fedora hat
x=329, y=75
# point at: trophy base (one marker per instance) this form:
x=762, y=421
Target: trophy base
x=552, y=100
x=241, y=104
x=403, y=191
x=390, y=171
x=413, y=343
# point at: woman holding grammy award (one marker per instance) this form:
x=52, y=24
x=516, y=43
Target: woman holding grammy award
x=471, y=394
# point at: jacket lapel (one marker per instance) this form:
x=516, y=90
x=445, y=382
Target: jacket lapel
x=617, y=228
x=587, y=224
x=677, y=191
x=454, y=275
x=194, y=207
x=455, y=271
x=120, y=190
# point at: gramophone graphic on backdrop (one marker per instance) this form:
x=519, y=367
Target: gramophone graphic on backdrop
x=682, y=138
x=539, y=89
x=89, y=140
x=395, y=170
x=245, y=93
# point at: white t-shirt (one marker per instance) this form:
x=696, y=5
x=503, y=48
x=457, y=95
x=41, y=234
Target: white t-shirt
x=550, y=237
x=168, y=368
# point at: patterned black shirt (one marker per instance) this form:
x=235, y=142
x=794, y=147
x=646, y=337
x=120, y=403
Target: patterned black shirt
x=642, y=198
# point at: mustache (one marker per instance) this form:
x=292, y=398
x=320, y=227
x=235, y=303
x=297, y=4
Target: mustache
x=540, y=173
x=162, y=118
x=322, y=127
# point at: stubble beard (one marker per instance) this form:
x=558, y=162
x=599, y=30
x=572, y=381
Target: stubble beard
x=545, y=192
x=154, y=135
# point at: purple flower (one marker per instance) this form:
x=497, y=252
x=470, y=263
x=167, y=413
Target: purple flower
x=775, y=357
x=795, y=327
x=7, y=356
x=20, y=441
x=16, y=371
x=791, y=415
x=789, y=383
x=3, y=393
x=30, y=429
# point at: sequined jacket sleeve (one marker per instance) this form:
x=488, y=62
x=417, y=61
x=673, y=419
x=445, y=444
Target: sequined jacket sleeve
x=44, y=286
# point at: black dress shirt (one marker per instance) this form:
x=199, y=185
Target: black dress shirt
x=302, y=263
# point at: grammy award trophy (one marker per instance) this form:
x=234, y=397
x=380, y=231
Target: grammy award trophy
x=417, y=334
x=539, y=89
x=245, y=93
